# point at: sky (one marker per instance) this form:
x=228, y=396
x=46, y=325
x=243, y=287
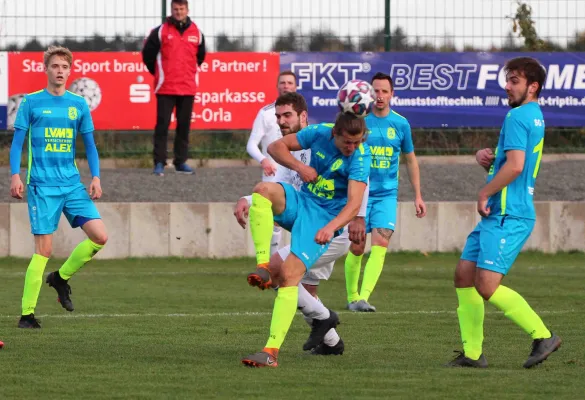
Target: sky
x=480, y=23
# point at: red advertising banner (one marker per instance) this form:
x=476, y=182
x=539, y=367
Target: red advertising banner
x=119, y=89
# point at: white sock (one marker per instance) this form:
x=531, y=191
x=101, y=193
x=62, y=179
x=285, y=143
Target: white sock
x=310, y=306
x=275, y=242
x=331, y=338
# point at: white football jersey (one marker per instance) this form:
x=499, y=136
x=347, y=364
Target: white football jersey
x=264, y=131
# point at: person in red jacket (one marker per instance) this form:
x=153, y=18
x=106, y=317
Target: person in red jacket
x=172, y=52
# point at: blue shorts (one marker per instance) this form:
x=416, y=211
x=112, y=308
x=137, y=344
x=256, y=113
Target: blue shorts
x=303, y=218
x=496, y=241
x=381, y=213
x=46, y=203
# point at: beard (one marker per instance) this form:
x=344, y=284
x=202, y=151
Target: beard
x=288, y=130
x=519, y=102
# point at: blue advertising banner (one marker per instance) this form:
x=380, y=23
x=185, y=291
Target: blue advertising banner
x=3, y=89
x=434, y=90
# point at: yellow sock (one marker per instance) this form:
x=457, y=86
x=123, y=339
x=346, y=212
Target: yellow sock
x=372, y=271
x=285, y=307
x=261, y=225
x=353, y=266
x=517, y=309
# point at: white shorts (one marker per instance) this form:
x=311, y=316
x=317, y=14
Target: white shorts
x=323, y=268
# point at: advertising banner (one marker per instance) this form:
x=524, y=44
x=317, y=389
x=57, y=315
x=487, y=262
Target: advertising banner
x=119, y=89
x=438, y=90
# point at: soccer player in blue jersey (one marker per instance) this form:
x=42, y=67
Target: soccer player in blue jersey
x=389, y=137
x=331, y=196
x=508, y=216
x=52, y=118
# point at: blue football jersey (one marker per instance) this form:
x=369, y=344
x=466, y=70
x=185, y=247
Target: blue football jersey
x=333, y=168
x=523, y=130
x=388, y=137
x=52, y=123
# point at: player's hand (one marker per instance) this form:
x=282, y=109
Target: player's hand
x=421, y=207
x=241, y=212
x=357, y=230
x=324, y=236
x=485, y=157
x=16, y=187
x=268, y=167
x=95, y=188
x=482, y=207
x=308, y=174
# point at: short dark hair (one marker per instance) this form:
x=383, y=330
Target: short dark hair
x=350, y=123
x=383, y=76
x=287, y=72
x=530, y=68
x=181, y=2
x=296, y=100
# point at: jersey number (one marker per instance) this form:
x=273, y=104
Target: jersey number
x=538, y=149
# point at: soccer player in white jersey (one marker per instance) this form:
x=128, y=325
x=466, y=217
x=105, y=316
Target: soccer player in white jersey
x=291, y=114
x=265, y=131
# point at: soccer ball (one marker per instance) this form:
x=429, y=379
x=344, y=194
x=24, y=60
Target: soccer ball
x=356, y=97
x=89, y=90
x=13, y=104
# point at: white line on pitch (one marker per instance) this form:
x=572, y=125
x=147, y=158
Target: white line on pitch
x=253, y=314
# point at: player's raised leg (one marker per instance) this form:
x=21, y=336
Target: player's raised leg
x=268, y=199
x=285, y=307
x=34, y=279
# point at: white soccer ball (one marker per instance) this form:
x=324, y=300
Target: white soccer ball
x=13, y=104
x=356, y=97
x=89, y=90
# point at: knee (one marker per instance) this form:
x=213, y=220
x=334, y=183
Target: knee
x=262, y=189
x=464, y=276
x=44, y=249
x=357, y=249
x=100, y=238
x=291, y=276
x=484, y=289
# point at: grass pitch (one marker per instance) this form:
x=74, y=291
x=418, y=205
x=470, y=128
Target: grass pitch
x=175, y=328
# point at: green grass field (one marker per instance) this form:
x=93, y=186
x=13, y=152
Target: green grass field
x=173, y=328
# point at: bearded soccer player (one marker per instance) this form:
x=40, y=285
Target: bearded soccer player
x=507, y=208
x=52, y=118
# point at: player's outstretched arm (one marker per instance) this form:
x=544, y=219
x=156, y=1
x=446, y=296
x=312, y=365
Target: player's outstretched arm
x=511, y=169
x=414, y=177
x=355, y=194
x=16, y=185
x=281, y=149
x=95, y=188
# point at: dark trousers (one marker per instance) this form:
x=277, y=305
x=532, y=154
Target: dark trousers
x=164, y=108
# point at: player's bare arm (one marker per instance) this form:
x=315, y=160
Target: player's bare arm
x=355, y=194
x=510, y=170
x=281, y=149
x=414, y=177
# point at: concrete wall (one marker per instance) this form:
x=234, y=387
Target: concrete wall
x=210, y=230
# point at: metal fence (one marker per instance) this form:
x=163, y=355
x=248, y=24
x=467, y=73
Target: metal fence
x=306, y=25
x=301, y=25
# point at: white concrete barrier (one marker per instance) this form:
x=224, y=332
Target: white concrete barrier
x=210, y=230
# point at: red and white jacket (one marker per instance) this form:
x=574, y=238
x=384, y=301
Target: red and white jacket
x=172, y=52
